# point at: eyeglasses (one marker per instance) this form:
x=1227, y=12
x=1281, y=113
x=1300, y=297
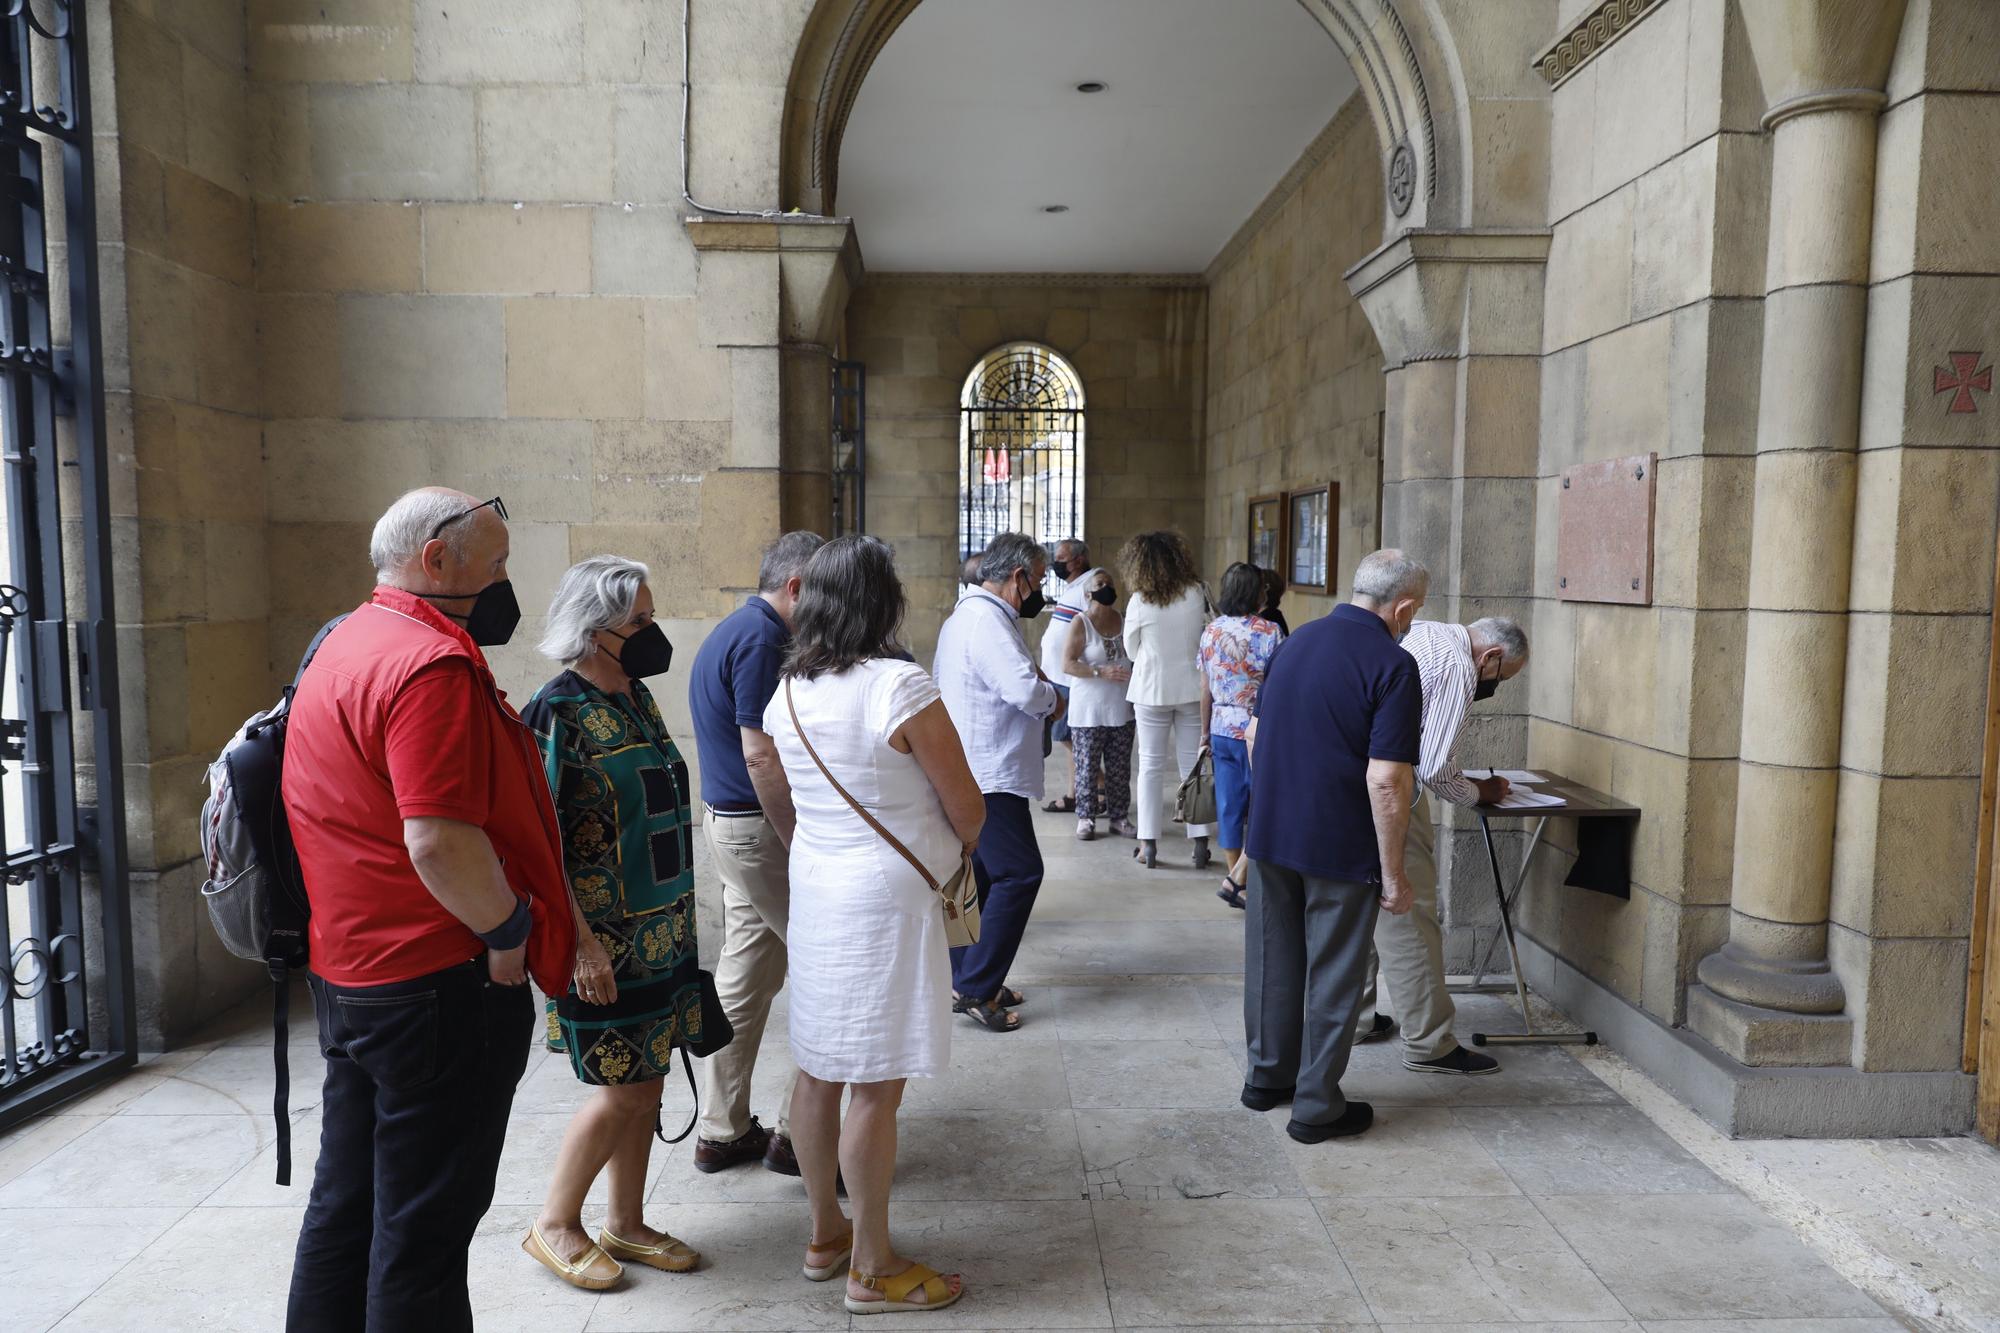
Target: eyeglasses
x=496, y=504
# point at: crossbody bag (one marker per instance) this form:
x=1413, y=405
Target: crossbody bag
x=959, y=894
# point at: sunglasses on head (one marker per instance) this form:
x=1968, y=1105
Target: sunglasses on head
x=496, y=504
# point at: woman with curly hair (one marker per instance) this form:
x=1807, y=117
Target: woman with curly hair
x=1164, y=618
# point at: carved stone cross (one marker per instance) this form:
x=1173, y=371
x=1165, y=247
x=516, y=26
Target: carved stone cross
x=1961, y=377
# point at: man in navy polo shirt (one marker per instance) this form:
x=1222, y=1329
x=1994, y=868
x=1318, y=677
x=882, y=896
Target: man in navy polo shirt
x=748, y=819
x=1336, y=743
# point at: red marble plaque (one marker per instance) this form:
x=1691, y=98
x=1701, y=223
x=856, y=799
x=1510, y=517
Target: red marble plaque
x=1604, y=532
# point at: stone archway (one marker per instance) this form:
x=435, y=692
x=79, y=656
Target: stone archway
x=1404, y=59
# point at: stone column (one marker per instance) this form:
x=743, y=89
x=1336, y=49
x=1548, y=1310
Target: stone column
x=773, y=291
x=1823, y=64
x=1459, y=319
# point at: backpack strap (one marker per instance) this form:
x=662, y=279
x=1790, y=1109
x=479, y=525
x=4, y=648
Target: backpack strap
x=866, y=818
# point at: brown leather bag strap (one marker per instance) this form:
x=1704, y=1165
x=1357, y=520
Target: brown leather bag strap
x=866, y=818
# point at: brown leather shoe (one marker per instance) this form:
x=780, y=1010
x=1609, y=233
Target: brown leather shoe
x=711, y=1156
x=779, y=1157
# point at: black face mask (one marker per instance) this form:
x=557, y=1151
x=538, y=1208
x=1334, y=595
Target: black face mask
x=1484, y=689
x=1107, y=594
x=1060, y=569
x=493, y=616
x=1032, y=604
x=646, y=652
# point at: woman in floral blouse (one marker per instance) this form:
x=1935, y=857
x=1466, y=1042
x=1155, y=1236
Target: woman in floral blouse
x=1236, y=651
x=621, y=794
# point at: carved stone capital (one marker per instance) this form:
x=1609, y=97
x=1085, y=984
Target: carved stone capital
x=1807, y=49
x=818, y=264
x=1437, y=295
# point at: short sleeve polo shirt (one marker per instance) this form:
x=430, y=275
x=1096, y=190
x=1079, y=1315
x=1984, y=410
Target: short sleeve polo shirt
x=734, y=676
x=1339, y=693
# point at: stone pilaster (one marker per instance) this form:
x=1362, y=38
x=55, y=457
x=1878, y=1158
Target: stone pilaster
x=1459, y=319
x=1772, y=996
x=773, y=292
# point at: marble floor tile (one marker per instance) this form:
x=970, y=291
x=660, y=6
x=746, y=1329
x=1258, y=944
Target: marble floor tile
x=1129, y=1013
x=256, y=1184
x=222, y=1269
x=1223, y=1262
x=52, y=1258
x=1025, y=1265
x=1586, y=1150
x=1196, y=1074
x=1409, y=1152
x=143, y=1161
x=1701, y=1256
x=1166, y=948
x=1771, y=1326
x=29, y=1144
x=1494, y=1259
x=233, y=1080
x=1167, y=1155
x=152, y=1070
x=994, y=1076
x=1529, y=1076
x=748, y=1280
x=998, y=1155
x=1586, y=1326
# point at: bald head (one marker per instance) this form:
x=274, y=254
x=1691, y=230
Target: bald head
x=439, y=541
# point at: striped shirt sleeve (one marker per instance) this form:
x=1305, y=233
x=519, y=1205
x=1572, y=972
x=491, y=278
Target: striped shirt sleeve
x=1444, y=661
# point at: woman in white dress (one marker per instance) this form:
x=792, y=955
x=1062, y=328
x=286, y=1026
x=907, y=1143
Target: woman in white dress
x=1164, y=619
x=869, y=972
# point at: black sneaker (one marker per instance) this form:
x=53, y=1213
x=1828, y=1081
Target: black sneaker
x=1357, y=1117
x=1384, y=1025
x=1263, y=1099
x=1458, y=1061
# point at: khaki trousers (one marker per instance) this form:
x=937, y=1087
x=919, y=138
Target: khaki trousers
x=756, y=904
x=1409, y=953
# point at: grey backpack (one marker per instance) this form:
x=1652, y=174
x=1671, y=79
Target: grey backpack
x=255, y=892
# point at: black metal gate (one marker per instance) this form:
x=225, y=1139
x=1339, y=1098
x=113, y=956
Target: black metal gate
x=68, y=1015
x=1021, y=468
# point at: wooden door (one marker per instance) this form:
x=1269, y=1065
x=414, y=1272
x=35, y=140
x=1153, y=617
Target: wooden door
x=1982, y=992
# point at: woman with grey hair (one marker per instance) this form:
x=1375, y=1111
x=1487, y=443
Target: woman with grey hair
x=621, y=794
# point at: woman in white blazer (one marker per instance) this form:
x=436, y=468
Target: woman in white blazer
x=1164, y=619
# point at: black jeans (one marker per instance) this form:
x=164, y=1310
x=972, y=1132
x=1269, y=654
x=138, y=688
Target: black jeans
x=420, y=1078
x=1007, y=866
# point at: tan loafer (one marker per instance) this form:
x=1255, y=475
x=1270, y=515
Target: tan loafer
x=593, y=1270
x=673, y=1256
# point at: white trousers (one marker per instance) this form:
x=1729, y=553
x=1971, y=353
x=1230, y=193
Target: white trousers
x=1168, y=741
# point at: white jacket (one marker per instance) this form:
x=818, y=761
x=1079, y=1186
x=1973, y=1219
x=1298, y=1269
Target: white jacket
x=1162, y=642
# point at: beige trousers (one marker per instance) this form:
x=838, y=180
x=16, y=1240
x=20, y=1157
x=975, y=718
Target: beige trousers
x=1409, y=953
x=756, y=904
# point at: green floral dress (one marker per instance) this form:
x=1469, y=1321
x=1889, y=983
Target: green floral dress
x=621, y=793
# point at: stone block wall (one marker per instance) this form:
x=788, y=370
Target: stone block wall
x=1652, y=333
x=1139, y=351
x=1295, y=376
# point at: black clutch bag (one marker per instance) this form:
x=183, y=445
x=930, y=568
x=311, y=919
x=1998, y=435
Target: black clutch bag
x=715, y=1031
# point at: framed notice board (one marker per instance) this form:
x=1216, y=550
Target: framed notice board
x=1267, y=532
x=1312, y=527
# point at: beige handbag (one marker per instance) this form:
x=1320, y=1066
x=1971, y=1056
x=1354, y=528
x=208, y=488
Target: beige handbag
x=959, y=894
x=1194, y=803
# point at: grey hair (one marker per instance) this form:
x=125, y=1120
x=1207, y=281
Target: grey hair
x=785, y=559
x=1076, y=547
x=594, y=594
x=1503, y=633
x=1388, y=575
x=406, y=526
x=1008, y=552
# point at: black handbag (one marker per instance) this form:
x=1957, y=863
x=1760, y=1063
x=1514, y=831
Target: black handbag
x=716, y=1033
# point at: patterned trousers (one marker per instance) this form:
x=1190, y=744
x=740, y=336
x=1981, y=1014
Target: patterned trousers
x=1112, y=748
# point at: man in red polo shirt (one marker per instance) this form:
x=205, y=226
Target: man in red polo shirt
x=433, y=862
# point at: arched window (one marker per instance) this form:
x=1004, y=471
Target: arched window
x=1020, y=434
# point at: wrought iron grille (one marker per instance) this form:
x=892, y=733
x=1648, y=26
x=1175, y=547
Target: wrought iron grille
x=1021, y=462
x=850, y=448
x=66, y=1004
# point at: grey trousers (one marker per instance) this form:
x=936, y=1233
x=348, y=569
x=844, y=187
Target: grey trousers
x=1409, y=954
x=1306, y=950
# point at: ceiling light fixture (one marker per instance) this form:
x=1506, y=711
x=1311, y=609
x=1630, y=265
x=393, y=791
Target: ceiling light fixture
x=1055, y=208
x=1092, y=86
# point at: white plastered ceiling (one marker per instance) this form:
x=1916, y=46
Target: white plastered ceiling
x=969, y=125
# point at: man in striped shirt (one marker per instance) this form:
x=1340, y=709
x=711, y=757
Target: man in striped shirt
x=1458, y=664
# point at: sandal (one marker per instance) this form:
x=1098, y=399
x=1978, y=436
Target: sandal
x=1062, y=805
x=821, y=1272
x=895, y=1288
x=1233, y=895
x=989, y=1014
x=1008, y=997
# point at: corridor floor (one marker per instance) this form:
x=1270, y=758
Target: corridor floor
x=1093, y=1170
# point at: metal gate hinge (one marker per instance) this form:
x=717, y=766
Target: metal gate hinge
x=65, y=382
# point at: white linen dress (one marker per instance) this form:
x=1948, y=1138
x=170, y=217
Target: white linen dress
x=870, y=972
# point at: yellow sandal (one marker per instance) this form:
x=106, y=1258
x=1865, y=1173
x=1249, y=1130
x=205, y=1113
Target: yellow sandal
x=672, y=1257
x=938, y=1294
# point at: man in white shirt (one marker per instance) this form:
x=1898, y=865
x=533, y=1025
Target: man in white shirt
x=997, y=698
x=1458, y=664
